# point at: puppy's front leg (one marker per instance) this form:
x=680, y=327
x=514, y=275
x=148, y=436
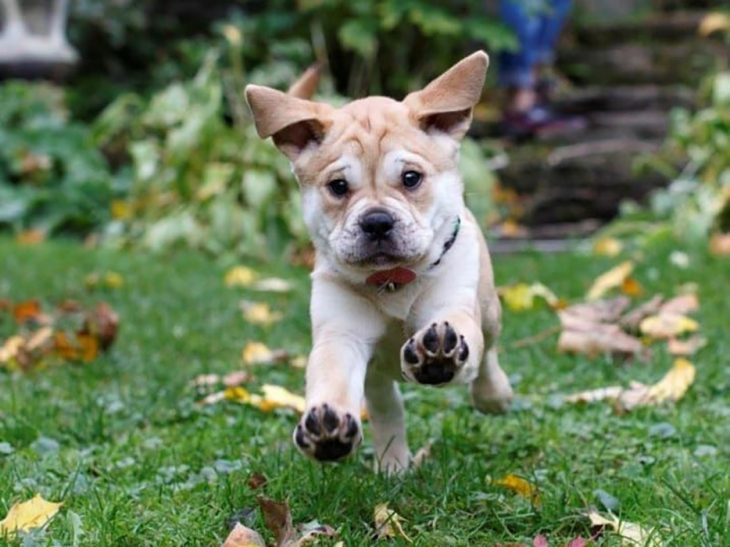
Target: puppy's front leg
x=345, y=328
x=447, y=349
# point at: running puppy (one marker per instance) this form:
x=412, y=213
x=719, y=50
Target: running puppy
x=403, y=285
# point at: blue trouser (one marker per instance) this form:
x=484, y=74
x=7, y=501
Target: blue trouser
x=537, y=24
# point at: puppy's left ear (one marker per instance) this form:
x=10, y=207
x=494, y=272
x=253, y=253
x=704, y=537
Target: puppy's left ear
x=446, y=104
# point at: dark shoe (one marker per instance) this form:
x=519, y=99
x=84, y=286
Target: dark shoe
x=540, y=122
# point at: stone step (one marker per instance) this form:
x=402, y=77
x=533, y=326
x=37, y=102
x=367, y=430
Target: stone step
x=685, y=62
x=615, y=98
x=579, y=181
x=657, y=26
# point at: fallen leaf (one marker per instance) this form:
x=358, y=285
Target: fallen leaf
x=259, y=313
x=583, y=315
x=272, y=284
x=519, y=485
x=521, y=296
x=256, y=353
x=594, y=395
x=680, y=259
x=10, y=348
x=241, y=536
x=714, y=22
x=631, y=287
x=310, y=532
x=682, y=304
x=27, y=515
x=107, y=280
x=602, y=339
x=421, y=455
x=607, y=246
x=300, y=361
x=633, y=319
x=612, y=279
x=631, y=534
x=667, y=325
x=256, y=481
x=236, y=378
x=239, y=276
x=237, y=394
x=540, y=541
x=101, y=322
x=29, y=310
x=206, y=380
x=277, y=518
x=274, y=397
x=686, y=347
x=388, y=523
x=31, y=237
x=720, y=244
x=671, y=388
x=577, y=542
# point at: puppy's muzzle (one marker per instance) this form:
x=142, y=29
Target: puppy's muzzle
x=377, y=224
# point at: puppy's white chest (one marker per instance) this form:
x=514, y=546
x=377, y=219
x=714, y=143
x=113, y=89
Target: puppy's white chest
x=397, y=303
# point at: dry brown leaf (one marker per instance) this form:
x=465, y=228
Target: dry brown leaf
x=671, y=388
x=631, y=287
x=600, y=339
x=720, y=244
x=632, y=535
x=421, y=455
x=594, y=395
x=241, y=536
x=632, y=320
x=520, y=486
x=256, y=481
x=388, y=523
x=102, y=323
x=612, y=279
x=34, y=513
x=582, y=316
x=686, y=347
x=682, y=304
x=236, y=378
x=277, y=518
x=29, y=310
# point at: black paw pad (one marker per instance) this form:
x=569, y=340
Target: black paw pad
x=327, y=435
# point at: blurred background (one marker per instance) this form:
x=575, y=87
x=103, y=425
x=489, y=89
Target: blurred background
x=122, y=122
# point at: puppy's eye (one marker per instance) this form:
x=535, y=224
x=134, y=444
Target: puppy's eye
x=338, y=187
x=411, y=179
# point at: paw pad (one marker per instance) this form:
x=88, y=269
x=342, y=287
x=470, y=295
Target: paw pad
x=326, y=434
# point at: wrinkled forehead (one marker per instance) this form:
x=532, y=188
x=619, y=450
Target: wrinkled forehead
x=368, y=130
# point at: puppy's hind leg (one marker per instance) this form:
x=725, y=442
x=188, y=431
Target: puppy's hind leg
x=491, y=391
x=387, y=417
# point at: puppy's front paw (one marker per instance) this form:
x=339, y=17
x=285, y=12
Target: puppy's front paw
x=434, y=355
x=326, y=434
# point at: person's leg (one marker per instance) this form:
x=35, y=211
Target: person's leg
x=516, y=68
x=551, y=23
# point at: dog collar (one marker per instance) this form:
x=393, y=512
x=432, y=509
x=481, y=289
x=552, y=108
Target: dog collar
x=395, y=278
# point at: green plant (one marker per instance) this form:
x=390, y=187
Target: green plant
x=697, y=201
x=52, y=178
x=198, y=180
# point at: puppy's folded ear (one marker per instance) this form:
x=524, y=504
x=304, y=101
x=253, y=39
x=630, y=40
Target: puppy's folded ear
x=293, y=123
x=446, y=104
x=306, y=84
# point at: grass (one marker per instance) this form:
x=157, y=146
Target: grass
x=131, y=442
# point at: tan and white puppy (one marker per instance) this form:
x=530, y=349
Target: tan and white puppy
x=402, y=269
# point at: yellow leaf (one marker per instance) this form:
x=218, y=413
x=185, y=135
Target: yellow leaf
x=121, y=210
x=272, y=284
x=388, y=523
x=242, y=536
x=520, y=486
x=594, y=395
x=113, y=280
x=109, y=280
x=714, y=22
x=256, y=353
x=274, y=397
x=31, y=237
x=27, y=515
x=259, y=313
x=239, y=276
x=667, y=325
x=607, y=246
x=521, y=296
x=631, y=534
x=10, y=348
x=300, y=361
x=237, y=394
x=611, y=279
x=674, y=384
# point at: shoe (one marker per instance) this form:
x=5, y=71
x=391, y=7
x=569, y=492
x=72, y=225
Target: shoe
x=539, y=122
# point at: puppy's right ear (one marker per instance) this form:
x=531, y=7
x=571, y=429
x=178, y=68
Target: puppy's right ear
x=293, y=123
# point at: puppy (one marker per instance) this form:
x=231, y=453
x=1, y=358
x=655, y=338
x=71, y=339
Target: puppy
x=402, y=286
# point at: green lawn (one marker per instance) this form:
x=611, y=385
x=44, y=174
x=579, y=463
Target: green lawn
x=130, y=442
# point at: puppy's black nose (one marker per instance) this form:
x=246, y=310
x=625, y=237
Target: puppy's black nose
x=377, y=223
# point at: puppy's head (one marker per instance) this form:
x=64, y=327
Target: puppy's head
x=379, y=178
